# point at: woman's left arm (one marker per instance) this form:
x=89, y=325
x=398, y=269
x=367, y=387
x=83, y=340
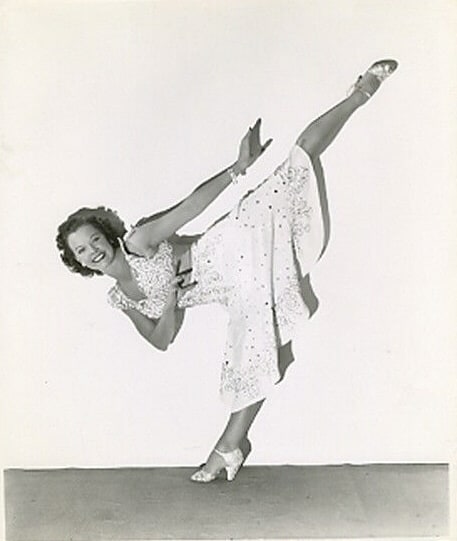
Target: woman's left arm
x=161, y=226
x=160, y=332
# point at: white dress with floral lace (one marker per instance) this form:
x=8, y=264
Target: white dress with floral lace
x=251, y=261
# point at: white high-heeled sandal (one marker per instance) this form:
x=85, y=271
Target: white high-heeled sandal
x=381, y=70
x=233, y=462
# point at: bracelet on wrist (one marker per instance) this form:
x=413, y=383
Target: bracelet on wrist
x=233, y=176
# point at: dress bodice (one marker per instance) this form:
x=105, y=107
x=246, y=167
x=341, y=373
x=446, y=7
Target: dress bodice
x=153, y=276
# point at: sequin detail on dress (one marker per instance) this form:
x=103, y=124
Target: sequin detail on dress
x=153, y=276
x=252, y=261
x=211, y=285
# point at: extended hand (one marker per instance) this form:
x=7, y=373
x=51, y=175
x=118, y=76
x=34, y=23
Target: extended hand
x=180, y=284
x=183, y=280
x=251, y=147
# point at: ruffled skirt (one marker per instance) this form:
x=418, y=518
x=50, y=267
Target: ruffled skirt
x=255, y=261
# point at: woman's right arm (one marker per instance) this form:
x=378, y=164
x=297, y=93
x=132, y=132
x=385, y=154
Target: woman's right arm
x=145, y=237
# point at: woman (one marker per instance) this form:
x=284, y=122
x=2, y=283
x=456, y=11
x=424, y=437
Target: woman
x=254, y=261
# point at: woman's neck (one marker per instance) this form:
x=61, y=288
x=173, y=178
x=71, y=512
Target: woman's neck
x=119, y=269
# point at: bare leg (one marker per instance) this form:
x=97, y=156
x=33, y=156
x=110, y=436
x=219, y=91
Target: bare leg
x=321, y=132
x=237, y=427
x=234, y=435
x=314, y=140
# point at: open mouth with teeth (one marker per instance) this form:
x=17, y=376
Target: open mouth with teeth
x=98, y=257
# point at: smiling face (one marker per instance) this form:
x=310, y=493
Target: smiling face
x=91, y=248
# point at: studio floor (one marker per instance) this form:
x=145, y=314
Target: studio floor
x=266, y=502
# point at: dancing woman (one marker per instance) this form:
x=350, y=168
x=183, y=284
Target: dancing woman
x=252, y=260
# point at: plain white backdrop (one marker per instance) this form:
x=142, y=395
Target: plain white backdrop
x=131, y=105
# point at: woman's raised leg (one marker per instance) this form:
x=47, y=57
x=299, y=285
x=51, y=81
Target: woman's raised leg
x=316, y=137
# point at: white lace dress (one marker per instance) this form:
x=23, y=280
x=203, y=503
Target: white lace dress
x=251, y=261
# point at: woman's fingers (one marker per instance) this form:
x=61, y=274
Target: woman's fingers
x=255, y=144
x=184, y=272
x=255, y=131
x=256, y=127
x=185, y=287
x=176, y=282
x=267, y=144
x=251, y=146
x=182, y=281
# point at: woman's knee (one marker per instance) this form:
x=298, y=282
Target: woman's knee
x=309, y=144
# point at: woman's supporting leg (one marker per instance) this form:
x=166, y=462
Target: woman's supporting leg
x=234, y=436
x=237, y=427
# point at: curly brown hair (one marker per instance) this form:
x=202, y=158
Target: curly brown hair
x=104, y=219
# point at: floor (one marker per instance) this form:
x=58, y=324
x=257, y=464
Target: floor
x=266, y=502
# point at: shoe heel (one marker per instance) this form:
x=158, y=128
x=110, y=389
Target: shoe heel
x=233, y=460
x=231, y=472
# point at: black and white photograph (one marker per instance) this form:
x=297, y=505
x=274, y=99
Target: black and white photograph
x=229, y=294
